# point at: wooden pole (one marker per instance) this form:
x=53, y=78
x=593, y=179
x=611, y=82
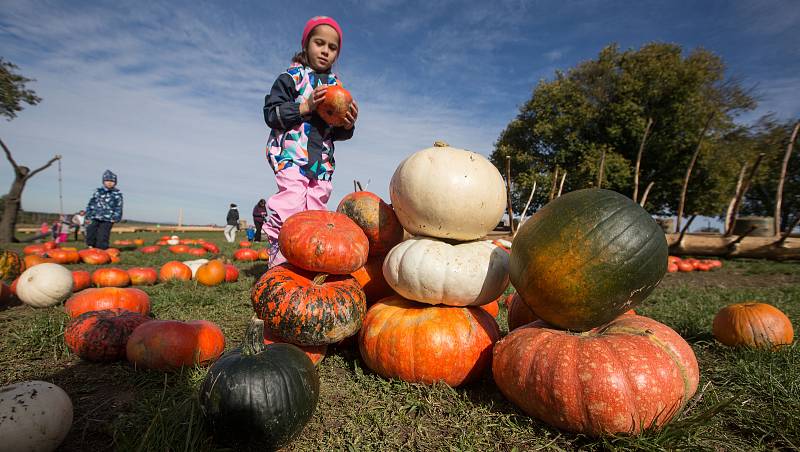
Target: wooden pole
x=555, y=184
x=602, y=167
x=639, y=159
x=729, y=212
x=508, y=195
x=689, y=173
x=779, y=195
x=646, y=192
x=561, y=185
x=527, y=204
x=740, y=196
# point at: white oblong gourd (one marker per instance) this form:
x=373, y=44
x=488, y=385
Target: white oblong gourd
x=448, y=193
x=44, y=285
x=34, y=416
x=434, y=272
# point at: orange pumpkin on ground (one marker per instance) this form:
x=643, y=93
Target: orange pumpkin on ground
x=64, y=256
x=423, y=344
x=197, y=251
x=113, y=252
x=170, y=344
x=245, y=254
x=81, y=279
x=138, y=242
x=34, y=249
x=101, y=336
x=263, y=254
x=143, y=276
x=128, y=299
x=752, y=324
x=323, y=242
x=174, y=270
x=152, y=249
x=376, y=218
x=111, y=277
x=371, y=279
x=245, y=244
x=212, y=273
x=335, y=106
x=35, y=259
x=178, y=249
x=315, y=353
x=210, y=247
x=94, y=256
x=623, y=377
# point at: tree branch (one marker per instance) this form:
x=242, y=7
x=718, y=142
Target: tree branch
x=639, y=159
x=43, y=167
x=9, y=157
x=689, y=173
x=779, y=195
x=740, y=195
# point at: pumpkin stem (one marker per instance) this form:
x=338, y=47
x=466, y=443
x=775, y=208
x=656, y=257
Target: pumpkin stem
x=253, y=342
x=440, y=144
x=319, y=279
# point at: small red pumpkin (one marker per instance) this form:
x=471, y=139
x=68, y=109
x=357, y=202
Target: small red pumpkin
x=101, y=336
x=245, y=244
x=335, y=105
x=210, y=247
x=151, y=249
x=174, y=270
x=111, y=277
x=143, y=276
x=245, y=254
x=752, y=324
x=34, y=249
x=63, y=256
x=685, y=266
x=197, y=252
x=323, y=242
x=231, y=273
x=170, y=344
x=94, y=256
x=178, y=249
x=81, y=279
x=128, y=299
x=376, y=218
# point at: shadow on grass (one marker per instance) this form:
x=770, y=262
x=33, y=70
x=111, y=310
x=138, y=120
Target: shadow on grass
x=256, y=270
x=11, y=303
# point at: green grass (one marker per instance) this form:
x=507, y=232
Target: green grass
x=747, y=399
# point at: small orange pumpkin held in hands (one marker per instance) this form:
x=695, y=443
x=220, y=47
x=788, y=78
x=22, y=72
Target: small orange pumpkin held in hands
x=335, y=106
x=752, y=324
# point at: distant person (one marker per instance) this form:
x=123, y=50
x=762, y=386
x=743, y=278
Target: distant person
x=103, y=210
x=64, y=226
x=300, y=145
x=78, y=221
x=259, y=217
x=232, y=223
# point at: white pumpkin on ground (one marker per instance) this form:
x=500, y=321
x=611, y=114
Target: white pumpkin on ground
x=435, y=272
x=195, y=265
x=35, y=416
x=44, y=285
x=448, y=193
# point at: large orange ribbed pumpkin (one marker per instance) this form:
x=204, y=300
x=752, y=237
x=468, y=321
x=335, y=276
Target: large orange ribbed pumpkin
x=623, y=377
x=129, y=299
x=423, y=344
x=752, y=324
x=170, y=344
x=376, y=218
x=323, y=242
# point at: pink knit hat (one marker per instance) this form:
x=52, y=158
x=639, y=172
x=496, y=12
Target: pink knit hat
x=320, y=20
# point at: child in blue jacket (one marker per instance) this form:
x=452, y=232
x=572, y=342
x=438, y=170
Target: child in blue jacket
x=103, y=210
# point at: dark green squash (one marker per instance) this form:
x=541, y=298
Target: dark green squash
x=259, y=397
x=306, y=308
x=587, y=257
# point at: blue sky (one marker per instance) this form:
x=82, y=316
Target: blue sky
x=169, y=95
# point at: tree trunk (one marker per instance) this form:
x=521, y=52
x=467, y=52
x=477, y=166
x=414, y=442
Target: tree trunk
x=689, y=173
x=602, y=167
x=11, y=210
x=745, y=186
x=779, y=195
x=639, y=159
x=729, y=213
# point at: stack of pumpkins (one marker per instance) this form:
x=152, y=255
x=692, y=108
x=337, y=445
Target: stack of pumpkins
x=434, y=329
x=312, y=301
x=580, y=264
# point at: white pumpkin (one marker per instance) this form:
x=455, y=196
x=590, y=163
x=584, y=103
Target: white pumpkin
x=44, y=285
x=195, y=264
x=34, y=416
x=174, y=240
x=448, y=193
x=435, y=272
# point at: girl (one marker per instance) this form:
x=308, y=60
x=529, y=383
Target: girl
x=300, y=145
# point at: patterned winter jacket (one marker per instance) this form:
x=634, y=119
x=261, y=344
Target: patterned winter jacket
x=105, y=205
x=293, y=141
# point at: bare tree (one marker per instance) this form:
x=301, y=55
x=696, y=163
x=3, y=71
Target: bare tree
x=14, y=198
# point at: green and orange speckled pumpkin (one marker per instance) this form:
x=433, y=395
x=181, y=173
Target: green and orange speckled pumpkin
x=101, y=336
x=421, y=343
x=376, y=218
x=624, y=377
x=11, y=265
x=587, y=257
x=305, y=308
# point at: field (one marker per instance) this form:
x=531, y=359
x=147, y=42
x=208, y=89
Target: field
x=747, y=400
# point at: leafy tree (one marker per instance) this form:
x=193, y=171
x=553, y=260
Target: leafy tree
x=604, y=105
x=12, y=90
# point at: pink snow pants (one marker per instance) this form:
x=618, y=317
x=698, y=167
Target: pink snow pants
x=296, y=193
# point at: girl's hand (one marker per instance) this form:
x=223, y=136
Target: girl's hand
x=351, y=116
x=316, y=98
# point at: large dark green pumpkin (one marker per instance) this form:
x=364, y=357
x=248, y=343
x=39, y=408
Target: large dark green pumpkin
x=305, y=308
x=259, y=400
x=587, y=257
x=11, y=265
